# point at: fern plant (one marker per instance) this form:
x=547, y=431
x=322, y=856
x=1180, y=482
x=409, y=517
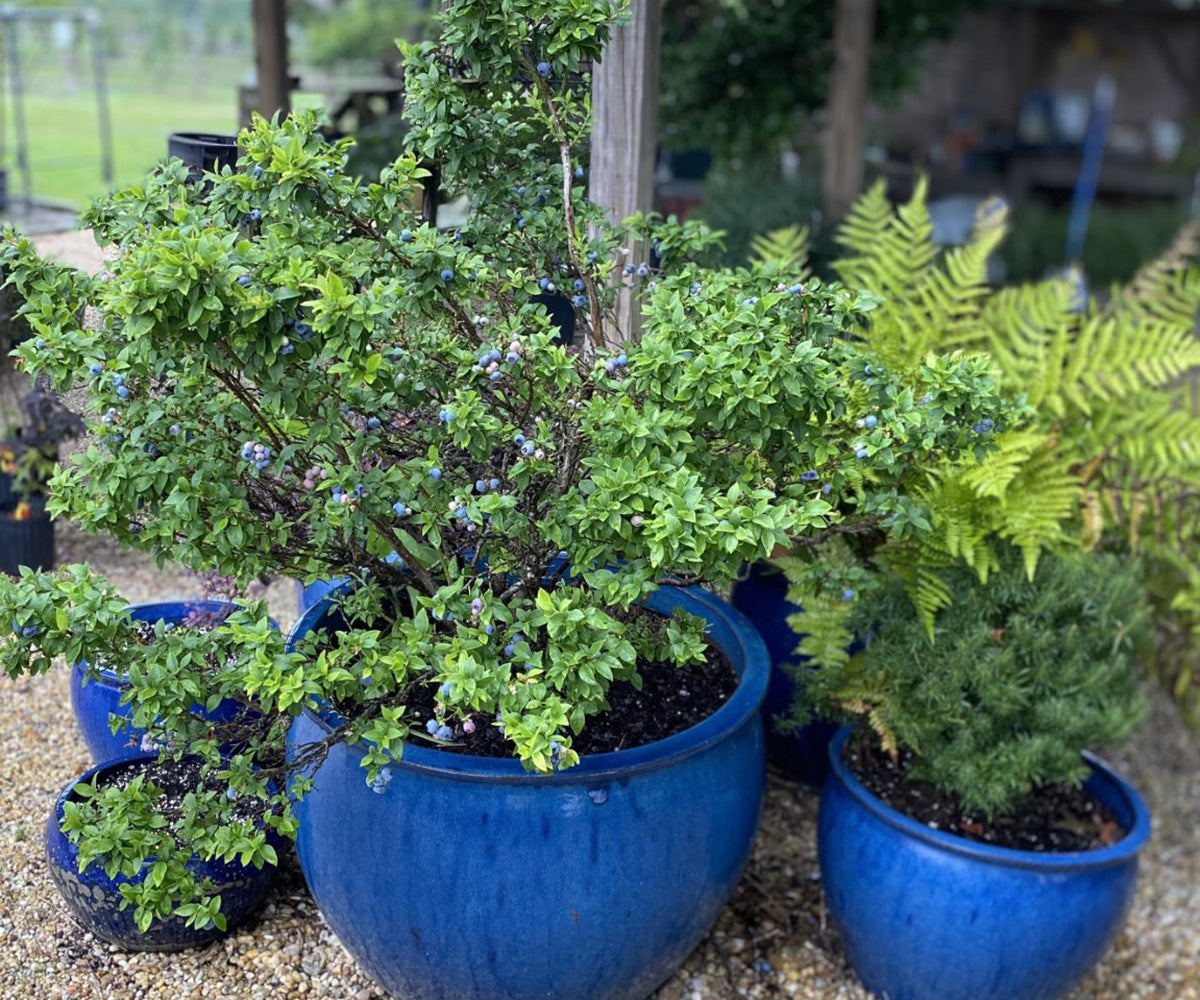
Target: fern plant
x=1106, y=453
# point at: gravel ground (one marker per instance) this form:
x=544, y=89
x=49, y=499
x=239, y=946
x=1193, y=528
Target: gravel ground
x=772, y=941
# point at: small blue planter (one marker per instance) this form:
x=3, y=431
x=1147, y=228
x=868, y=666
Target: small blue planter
x=762, y=598
x=470, y=879
x=95, y=898
x=94, y=700
x=925, y=915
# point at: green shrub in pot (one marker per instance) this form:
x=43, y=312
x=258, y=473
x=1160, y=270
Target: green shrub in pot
x=293, y=375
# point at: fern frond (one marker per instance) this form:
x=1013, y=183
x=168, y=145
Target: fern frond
x=783, y=251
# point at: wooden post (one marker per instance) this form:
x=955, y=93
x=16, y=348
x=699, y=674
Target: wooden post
x=624, y=136
x=845, y=112
x=270, y=57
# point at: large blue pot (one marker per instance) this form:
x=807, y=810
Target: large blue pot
x=94, y=700
x=95, y=898
x=925, y=915
x=762, y=597
x=470, y=879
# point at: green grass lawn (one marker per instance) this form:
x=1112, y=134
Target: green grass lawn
x=64, y=138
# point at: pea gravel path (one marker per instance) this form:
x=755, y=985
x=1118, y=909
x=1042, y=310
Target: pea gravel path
x=772, y=942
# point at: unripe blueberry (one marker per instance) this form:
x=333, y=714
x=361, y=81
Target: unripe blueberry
x=468, y=726
x=637, y=520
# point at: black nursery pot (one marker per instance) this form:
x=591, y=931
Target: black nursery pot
x=26, y=541
x=201, y=151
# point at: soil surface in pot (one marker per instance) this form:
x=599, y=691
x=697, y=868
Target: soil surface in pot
x=176, y=779
x=1054, y=818
x=672, y=699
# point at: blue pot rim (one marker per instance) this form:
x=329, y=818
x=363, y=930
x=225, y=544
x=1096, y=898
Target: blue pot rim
x=114, y=679
x=1123, y=851
x=740, y=708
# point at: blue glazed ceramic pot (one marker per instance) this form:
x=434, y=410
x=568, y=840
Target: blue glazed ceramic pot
x=93, y=701
x=95, y=899
x=762, y=598
x=925, y=915
x=470, y=879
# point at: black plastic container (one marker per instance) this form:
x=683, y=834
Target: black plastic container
x=27, y=541
x=202, y=151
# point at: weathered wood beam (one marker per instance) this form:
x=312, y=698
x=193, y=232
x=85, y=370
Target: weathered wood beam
x=845, y=111
x=624, y=137
x=271, y=57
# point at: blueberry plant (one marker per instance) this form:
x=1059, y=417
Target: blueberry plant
x=292, y=374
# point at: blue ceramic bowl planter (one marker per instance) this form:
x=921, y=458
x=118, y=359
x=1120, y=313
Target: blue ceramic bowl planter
x=95, y=898
x=468, y=878
x=762, y=598
x=94, y=700
x=925, y=915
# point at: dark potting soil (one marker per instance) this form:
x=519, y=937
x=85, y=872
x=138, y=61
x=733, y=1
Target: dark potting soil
x=176, y=779
x=1054, y=818
x=672, y=699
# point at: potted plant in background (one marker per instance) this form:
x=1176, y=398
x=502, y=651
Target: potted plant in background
x=293, y=375
x=962, y=853
x=26, y=528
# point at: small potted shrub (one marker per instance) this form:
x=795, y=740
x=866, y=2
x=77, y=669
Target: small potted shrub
x=519, y=682
x=150, y=850
x=970, y=848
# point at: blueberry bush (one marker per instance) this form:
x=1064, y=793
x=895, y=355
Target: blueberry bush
x=292, y=374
